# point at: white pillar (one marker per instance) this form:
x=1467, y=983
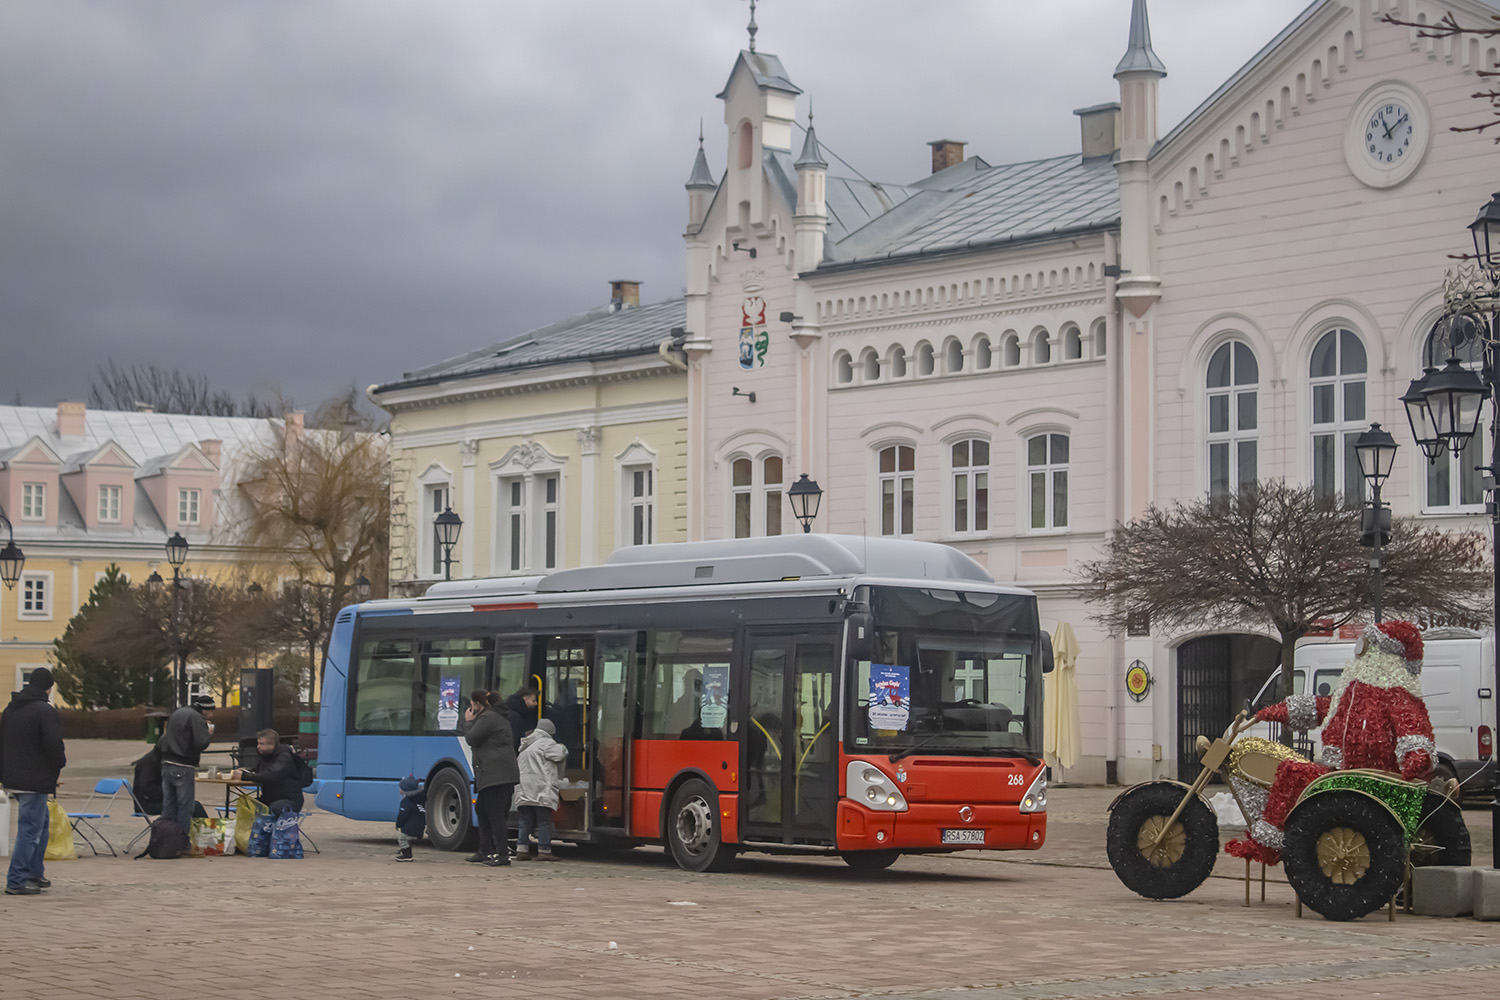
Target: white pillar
x=588, y=442
x=469, y=452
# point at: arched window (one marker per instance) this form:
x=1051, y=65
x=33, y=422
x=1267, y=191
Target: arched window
x=1457, y=486
x=843, y=368
x=756, y=486
x=1072, y=344
x=984, y=357
x=746, y=144
x=1337, y=377
x=1099, y=338
x=869, y=365
x=898, y=466
x=898, y=362
x=924, y=360
x=1233, y=419
x=1041, y=347
x=1047, y=475
x=1011, y=351
x=953, y=357
x=971, y=486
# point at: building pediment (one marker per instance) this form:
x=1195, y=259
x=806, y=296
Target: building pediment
x=34, y=451
x=108, y=455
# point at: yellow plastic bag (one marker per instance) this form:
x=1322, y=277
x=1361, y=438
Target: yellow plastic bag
x=245, y=811
x=59, y=834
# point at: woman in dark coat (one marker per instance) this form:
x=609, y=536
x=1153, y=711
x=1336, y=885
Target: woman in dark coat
x=487, y=729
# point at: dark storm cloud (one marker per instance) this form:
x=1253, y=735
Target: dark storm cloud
x=307, y=195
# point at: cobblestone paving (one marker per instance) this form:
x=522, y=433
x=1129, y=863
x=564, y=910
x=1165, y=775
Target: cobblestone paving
x=352, y=923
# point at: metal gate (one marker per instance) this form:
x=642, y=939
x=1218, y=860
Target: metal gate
x=1202, y=698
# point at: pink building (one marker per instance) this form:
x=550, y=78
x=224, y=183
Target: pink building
x=1013, y=358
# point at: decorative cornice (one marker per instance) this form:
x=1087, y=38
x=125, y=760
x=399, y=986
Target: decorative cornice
x=846, y=327
x=517, y=427
x=543, y=380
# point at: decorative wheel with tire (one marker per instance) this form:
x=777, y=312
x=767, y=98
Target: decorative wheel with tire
x=694, y=835
x=450, y=818
x=1345, y=854
x=869, y=861
x=1152, y=858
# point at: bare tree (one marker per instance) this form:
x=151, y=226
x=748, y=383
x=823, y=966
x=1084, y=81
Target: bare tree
x=1279, y=557
x=165, y=390
x=1448, y=26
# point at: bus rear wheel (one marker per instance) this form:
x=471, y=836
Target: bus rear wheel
x=694, y=835
x=449, y=816
x=870, y=861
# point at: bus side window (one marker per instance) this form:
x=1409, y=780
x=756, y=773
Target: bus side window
x=687, y=686
x=384, y=687
x=511, y=674
x=453, y=667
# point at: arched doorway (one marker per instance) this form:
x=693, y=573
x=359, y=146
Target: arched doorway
x=1215, y=674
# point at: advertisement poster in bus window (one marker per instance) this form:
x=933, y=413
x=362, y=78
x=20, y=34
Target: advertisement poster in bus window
x=447, y=714
x=890, y=696
x=715, y=710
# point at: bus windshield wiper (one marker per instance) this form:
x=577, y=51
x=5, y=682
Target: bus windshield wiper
x=908, y=751
x=1031, y=759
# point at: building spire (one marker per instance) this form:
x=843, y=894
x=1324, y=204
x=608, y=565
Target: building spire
x=701, y=176
x=751, y=26
x=1138, y=56
x=812, y=155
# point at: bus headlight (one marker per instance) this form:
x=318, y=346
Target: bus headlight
x=1035, y=799
x=873, y=788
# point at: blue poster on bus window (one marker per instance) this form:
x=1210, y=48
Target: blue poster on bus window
x=447, y=714
x=890, y=696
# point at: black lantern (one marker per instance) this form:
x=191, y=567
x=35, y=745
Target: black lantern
x=362, y=589
x=1376, y=450
x=1453, y=396
x=255, y=590
x=1486, y=232
x=11, y=557
x=154, y=581
x=805, y=497
x=1419, y=416
x=177, y=550
x=448, y=525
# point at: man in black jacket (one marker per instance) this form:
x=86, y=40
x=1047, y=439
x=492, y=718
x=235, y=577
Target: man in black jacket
x=182, y=744
x=276, y=774
x=31, y=757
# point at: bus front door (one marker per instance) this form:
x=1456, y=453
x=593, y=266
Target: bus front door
x=789, y=740
x=612, y=686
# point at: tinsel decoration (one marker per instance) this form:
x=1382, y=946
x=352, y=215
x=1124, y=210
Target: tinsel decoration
x=1403, y=797
x=1292, y=776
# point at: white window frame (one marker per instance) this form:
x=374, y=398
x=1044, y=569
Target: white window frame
x=529, y=466
x=49, y=596
x=894, y=477
x=1340, y=428
x=189, y=505
x=970, y=487
x=110, y=514
x=429, y=552
x=633, y=460
x=763, y=494
x=33, y=501
x=1048, y=469
x=1233, y=437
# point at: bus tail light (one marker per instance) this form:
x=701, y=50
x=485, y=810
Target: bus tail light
x=1035, y=799
x=1486, y=743
x=873, y=788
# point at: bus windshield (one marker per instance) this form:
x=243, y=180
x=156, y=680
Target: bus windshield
x=961, y=694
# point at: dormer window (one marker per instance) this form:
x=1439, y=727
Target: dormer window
x=33, y=501
x=109, y=504
x=187, y=506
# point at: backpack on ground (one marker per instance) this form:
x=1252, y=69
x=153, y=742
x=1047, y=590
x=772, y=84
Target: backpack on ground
x=302, y=770
x=168, y=840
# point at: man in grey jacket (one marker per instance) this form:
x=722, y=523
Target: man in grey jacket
x=182, y=744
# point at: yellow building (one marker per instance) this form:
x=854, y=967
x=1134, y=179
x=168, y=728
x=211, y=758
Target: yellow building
x=84, y=489
x=555, y=446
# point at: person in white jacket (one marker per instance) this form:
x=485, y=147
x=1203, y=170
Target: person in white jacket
x=541, y=761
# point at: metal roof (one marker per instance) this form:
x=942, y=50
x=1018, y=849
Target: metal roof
x=765, y=69
x=609, y=331
x=1138, y=54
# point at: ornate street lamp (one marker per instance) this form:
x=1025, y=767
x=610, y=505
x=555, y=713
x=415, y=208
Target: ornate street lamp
x=448, y=525
x=805, y=496
x=362, y=589
x=177, y=552
x=1486, y=232
x=1453, y=397
x=1376, y=451
x=154, y=581
x=1420, y=417
x=12, y=559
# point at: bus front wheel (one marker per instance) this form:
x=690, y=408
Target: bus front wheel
x=694, y=835
x=449, y=816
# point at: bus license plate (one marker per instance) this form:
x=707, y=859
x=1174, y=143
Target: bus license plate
x=963, y=836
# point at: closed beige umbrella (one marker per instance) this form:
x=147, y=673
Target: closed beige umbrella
x=1060, y=736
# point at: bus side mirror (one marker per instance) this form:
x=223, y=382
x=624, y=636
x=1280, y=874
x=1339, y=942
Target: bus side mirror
x=1048, y=662
x=861, y=626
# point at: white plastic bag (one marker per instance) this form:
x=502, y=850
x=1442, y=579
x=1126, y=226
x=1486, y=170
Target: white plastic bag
x=1226, y=810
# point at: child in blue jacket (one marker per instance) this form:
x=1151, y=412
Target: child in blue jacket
x=411, y=818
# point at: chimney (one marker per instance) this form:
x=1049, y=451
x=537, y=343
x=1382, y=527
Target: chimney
x=946, y=152
x=627, y=294
x=1100, y=126
x=295, y=421
x=70, y=420
x=211, y=448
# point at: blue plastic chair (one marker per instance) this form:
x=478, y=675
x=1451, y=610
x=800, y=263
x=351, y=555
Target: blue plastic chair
x=84, y=821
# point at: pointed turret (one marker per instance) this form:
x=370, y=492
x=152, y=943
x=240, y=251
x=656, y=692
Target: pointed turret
x=1139, y=57
x=810, y=219
x=700, y=186
x=811, y=155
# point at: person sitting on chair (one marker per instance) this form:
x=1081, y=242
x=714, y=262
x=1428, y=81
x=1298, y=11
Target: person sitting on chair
x=276, y=773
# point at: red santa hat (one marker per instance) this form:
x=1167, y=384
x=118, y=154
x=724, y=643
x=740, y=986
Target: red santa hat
x=1398, y=638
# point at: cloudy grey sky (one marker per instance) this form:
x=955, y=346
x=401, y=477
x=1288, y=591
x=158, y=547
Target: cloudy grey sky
x=305, y=194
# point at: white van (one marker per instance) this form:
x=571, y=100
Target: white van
x=1458, y=677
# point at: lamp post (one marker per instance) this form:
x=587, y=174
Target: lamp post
x=1376, y=451
x=362, y=589
x=177, y=551
x=805, y=496
x=1452, y=398
x=448, y=525
x=12, y=559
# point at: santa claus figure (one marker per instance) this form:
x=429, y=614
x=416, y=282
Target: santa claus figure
x=1375, y=718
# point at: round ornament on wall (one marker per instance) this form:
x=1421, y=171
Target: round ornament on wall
x=1387, y=134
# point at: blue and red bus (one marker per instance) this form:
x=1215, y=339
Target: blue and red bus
x=813, y=693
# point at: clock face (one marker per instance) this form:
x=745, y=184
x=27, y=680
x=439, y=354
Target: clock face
x=1388, y=133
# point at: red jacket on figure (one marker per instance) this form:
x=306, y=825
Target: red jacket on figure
x=1385, y=728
